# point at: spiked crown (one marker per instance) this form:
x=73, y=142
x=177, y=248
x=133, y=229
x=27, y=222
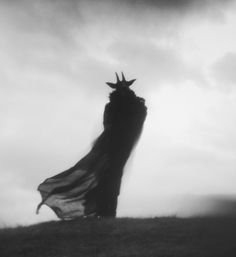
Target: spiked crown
x=120, y=83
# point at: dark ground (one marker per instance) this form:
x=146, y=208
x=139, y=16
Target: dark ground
x=156, y=237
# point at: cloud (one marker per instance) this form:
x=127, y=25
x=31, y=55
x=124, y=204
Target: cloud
x=42, y=16
x=65, y=40
x=157, y=64
x=55, y=58
x=177, y=5
x=19, y=204
x=223, y=71
x=180, y=206
x=65, y=18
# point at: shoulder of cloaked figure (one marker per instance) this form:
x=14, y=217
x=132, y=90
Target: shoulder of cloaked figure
x=141, y=100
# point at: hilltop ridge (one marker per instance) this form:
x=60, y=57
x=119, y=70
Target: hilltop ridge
x=122, y=237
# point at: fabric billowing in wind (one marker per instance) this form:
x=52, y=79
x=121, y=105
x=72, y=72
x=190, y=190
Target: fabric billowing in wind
x=92, y=186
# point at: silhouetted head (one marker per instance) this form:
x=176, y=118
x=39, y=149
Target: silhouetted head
x=121, y=85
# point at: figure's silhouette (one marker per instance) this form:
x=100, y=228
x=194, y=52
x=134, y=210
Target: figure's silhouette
x=92, y=186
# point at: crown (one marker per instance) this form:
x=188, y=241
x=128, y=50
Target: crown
x=120, y=83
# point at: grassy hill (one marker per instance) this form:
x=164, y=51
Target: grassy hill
x=156, y=237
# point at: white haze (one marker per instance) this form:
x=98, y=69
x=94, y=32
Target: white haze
x=55, y=59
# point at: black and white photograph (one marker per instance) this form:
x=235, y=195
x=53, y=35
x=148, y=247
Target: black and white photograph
x=118, y=128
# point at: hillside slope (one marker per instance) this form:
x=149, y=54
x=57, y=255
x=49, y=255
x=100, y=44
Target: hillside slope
x=122, y=237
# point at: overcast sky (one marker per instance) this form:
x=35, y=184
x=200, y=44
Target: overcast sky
x=55, y=57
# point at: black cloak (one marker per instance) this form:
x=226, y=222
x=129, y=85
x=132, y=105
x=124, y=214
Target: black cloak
x=92, y=186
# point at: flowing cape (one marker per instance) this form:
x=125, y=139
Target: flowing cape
x=92, y=186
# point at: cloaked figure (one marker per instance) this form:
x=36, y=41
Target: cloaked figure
x=92, y=186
